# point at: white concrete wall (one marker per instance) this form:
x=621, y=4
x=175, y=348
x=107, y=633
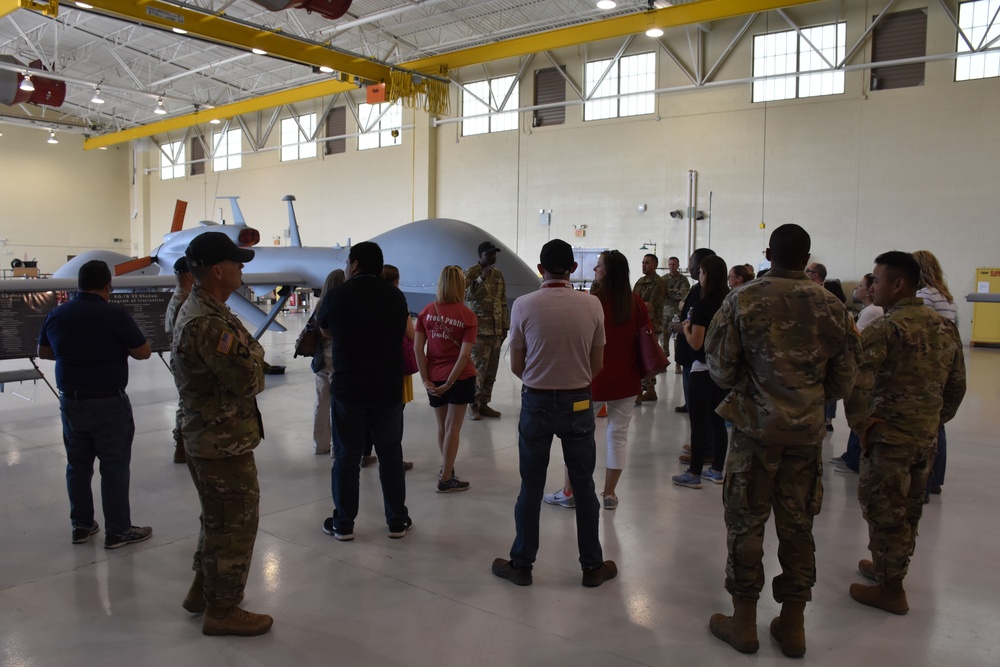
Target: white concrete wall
x=60, y=200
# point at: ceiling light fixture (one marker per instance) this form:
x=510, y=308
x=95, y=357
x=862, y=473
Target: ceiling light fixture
x=159, y=110
x=654, y=32
x=259, y=52
x=26, y=84
x=52, y=138
x=97, y=99
x=215, y=121
x=606, y=4
x=83, y=5
x=180, y=31
x=325, y=70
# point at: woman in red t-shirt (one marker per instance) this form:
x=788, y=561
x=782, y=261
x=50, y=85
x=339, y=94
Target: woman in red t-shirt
x=446, y=332
x=618, y=382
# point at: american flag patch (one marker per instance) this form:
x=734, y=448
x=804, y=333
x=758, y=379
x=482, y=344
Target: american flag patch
x=225, y=342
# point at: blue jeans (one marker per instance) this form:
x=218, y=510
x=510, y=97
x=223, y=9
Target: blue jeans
x=830, y=410
x=351, y=424
x=542, y=417
x=852, y=457
x=99, y=429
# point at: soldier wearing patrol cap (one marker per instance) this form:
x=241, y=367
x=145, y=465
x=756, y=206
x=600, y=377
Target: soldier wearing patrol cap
x=784, y=345
x=486, y=296
x=219, y=369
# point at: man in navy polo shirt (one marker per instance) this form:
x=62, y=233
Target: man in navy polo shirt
x=90, y=340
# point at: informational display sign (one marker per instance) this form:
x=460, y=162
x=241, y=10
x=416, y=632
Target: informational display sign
x=22, y=316
x=149, y=310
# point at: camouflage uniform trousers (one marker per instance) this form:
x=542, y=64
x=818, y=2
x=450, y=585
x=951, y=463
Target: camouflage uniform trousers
x=788, y=478
x=891, y=491
x=486, y=359
x=230, y=504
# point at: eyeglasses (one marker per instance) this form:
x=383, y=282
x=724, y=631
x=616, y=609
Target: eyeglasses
x=812, y=272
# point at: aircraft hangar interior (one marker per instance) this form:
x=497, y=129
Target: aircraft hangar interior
x=429, y=126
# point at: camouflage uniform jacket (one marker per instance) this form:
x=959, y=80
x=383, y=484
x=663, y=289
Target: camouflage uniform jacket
x=488, y=300
x=912, y=375
x=677, y=288
x=652, y=290
x=218, y=369
x=784, y=345
x=180, y=295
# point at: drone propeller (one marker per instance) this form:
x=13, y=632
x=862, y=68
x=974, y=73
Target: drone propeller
x=180, y=208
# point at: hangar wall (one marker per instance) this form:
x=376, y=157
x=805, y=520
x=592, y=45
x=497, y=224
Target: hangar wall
x=864, y=171
x=60, y=200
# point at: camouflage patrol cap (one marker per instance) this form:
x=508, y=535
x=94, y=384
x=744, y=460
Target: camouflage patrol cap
x=213, y=247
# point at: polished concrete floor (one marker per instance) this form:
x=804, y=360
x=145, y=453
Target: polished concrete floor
x=429, y=599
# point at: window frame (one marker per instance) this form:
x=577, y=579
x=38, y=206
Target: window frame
x=173, y=166
x=794, y=77
x=607, y=82
x=988, y=64
x=504, y=93
x=230, y=159
x=304, y=147
x=385, y=117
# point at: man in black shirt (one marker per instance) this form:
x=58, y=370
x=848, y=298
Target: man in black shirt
x=365, y=318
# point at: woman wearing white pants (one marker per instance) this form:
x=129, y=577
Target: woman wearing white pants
x=619, y=381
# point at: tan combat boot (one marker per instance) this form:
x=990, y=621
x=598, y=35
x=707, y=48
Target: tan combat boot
x=867, y=569
x=889, y=596
x=790, y=629
x=740, y=629
x=474, y=412
x=194, y=601
x=487, y=411
x=650, y=395
x=235, y=621
x=179, y=455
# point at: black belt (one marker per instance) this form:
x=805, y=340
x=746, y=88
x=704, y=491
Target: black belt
x=555, y=392
x=92, y=395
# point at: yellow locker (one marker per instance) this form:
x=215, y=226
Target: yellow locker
x=986, y=316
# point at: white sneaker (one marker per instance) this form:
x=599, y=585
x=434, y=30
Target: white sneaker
x=559, y=498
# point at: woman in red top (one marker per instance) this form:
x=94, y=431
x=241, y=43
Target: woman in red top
x=618, y=382
x=445, y=334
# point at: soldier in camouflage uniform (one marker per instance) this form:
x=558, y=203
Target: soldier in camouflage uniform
x=185, y=281
x=911, y=380
x=486, y=296
x=652, y=290
x=219, y=369
x=677, y=287
x=784, y=345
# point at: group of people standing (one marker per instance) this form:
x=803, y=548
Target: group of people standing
x=764, y=355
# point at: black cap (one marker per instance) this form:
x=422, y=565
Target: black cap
x=213, y=247
x=557, y=257
x=488, y=246
x=181, y=265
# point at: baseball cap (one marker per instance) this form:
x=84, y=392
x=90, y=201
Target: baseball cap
x=213, y=247
x=181, y=265
x=557, y=257
x=488, y=246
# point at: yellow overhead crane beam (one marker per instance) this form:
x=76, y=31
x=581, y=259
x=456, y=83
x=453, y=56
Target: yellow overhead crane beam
x=219, y=29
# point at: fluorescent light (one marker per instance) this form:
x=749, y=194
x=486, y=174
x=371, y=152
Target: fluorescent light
x=654, y=32
x=259, y=52
x=606, y=4
x=180, y=31
x=215, y=121
x=159, y=110
x=83, y=5
x=97, y=99
x=26, y=84
x=325, y=70
x=52, y=138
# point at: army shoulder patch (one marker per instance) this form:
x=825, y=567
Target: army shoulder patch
x=226, y=341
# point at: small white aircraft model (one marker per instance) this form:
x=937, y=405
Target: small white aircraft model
x=419, y=249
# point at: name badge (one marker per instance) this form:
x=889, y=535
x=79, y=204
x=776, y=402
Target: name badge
x=581, y=405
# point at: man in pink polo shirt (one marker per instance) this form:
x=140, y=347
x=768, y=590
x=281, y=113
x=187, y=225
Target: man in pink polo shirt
x=556, y=348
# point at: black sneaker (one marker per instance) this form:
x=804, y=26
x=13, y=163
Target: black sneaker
x=453, y=485
x=397, y=532
x=598, y=575
x=681, y=408
x=344, y=535
x=133, y=535
x=520, y=576
x=81, y=535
